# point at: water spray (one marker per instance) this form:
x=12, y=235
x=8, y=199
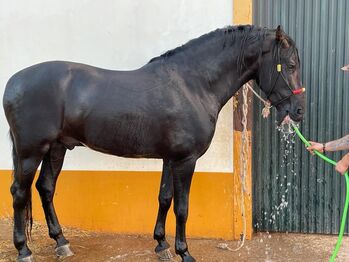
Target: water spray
x=265, y=113
x=346, y=204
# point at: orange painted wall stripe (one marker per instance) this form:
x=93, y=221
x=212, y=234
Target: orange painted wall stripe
x=237, y=215
x=126, y=202
x=242, y=14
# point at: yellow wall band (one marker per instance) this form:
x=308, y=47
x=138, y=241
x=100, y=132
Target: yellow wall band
x=126, y=202
x=242, y=14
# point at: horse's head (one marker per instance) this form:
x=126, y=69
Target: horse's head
x=279, y=76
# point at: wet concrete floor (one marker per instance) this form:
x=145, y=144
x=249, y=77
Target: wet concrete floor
x=92, y=246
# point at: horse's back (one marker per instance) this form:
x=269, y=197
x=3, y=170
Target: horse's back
x=140, y=113
x=46, y=96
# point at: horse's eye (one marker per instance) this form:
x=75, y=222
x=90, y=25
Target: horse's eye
x=292, y=67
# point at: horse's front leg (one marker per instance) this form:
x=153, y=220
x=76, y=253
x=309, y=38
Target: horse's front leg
x=182, y=172
x=165, y=199
x=46, y=185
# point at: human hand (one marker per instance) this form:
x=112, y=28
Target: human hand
x=315, y=146
x=342, y=165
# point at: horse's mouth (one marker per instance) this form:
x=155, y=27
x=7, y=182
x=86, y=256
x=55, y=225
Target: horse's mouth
x=283, y=118
x=345, y=68
x=287, y=120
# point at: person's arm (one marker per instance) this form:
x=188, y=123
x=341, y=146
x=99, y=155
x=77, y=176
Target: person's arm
x=338, y=145
x=335, y=145
x=343, y=164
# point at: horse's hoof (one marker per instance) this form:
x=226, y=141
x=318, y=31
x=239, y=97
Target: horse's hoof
x=26, y=259
x=64, y=251
x=186, y=257
x=165, y=254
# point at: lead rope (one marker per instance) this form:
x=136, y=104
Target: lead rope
x=267, y=104
x=244, y=159
x=243, y=167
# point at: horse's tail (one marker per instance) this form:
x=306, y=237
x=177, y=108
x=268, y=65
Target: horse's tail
x=28, y=207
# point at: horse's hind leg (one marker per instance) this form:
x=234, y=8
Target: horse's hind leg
x=165, y=199
x=25, y=168
x=46, y=184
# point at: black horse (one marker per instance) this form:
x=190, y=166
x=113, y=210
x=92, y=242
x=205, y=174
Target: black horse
x=167, y=109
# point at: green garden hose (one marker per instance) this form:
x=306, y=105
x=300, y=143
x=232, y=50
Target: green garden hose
x=345, y=212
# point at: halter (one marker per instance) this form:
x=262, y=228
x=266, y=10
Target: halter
x=293, y=92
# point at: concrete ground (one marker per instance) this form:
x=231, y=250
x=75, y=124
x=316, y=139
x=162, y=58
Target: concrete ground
x=93, y=246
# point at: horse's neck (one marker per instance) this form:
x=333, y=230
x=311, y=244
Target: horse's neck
x=224, y=90
x=222, y=73
x=214, y=63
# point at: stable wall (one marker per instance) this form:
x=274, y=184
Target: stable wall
x=107, y=193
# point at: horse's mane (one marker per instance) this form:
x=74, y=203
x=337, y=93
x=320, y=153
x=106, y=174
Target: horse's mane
x=248, y=33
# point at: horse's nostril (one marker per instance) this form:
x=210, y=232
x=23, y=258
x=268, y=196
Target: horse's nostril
x=300, y=111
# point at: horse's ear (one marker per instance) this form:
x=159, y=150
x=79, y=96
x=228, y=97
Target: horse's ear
x=279, y=35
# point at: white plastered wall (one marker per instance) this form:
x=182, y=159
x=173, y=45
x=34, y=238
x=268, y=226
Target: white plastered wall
x=112, y=34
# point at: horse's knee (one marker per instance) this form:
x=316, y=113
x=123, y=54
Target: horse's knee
x=165, y=201
x=45, y=190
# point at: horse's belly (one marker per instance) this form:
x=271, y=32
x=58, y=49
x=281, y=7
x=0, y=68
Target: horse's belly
x=136, y=139
x=122, y=149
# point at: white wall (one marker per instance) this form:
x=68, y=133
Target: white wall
x=112, y=34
